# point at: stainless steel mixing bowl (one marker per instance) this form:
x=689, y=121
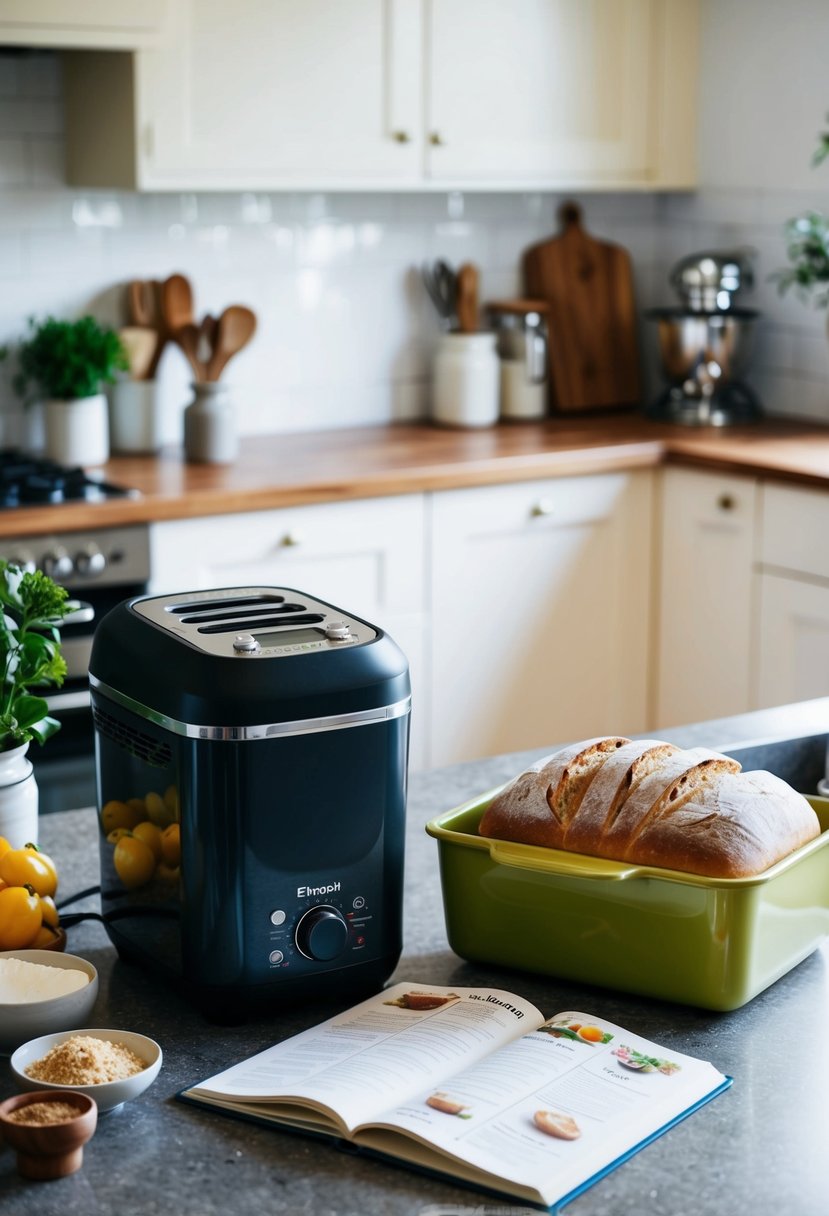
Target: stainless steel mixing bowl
x=701, y=351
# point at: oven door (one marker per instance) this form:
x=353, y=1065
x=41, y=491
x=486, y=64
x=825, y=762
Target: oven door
x=65, y=766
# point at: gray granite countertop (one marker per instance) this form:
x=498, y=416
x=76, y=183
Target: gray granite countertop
x=758, y=1148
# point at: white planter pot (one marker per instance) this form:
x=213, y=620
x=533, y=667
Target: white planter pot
x=77, y=432
x=18, y=798
x=135, y=420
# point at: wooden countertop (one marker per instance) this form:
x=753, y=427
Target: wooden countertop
x=366, y=462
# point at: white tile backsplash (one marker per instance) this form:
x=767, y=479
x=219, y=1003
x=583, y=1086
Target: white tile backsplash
x=346, y=331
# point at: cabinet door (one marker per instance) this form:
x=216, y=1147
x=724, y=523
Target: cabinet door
x=793, y=644
x=260, y=92
x=540, y=606
x=364, y=557
x=544, y=90
x=706, y=604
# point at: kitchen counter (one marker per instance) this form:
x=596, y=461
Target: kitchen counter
x=759, y=1148
x=366, y=462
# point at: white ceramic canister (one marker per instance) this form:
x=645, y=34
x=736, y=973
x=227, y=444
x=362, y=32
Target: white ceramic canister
x=210, y=426
x=18, y=798
x=135, y=417
x=77, y=432
x=466, y=380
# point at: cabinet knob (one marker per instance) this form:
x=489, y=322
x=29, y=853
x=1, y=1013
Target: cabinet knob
x=436, y=139
x=401, y=137
x=291, y=539
x=543, y=507
x=726, y=502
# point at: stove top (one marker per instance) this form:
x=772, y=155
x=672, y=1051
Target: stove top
x=28, y=481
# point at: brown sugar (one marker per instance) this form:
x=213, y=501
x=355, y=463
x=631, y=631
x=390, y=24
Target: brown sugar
x=41, y=1114
x=84, y=1060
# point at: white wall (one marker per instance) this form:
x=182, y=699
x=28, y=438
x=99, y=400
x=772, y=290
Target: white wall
x=346, y=331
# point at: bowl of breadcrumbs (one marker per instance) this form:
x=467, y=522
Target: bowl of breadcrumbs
x=111, y=1066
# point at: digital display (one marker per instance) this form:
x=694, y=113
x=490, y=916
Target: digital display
x=290, y=637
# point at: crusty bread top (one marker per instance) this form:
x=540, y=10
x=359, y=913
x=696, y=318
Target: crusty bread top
x=537, y=805
x=671, y=783
x=615, y=781
x=650, y=803
x=734, y=827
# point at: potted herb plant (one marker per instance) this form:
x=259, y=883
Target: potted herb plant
x=32, y=608
x=64, y=364
x=807, y=247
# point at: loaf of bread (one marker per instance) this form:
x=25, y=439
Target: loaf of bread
x=651, y=803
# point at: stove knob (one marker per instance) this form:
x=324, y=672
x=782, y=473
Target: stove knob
x=90, y=561
x=25, y=561
x=57, y=564
x=321, y=933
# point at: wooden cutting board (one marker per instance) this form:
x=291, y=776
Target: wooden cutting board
x=593, y=336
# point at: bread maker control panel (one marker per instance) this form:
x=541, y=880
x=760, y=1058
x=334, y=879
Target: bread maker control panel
x=254, y=622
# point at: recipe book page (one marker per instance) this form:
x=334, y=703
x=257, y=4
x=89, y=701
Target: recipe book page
x=550, y=1110
x=368, y=1060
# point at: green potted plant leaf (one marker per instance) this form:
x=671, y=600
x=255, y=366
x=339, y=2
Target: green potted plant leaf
x=807, y=247
x=32, y=608
x=64, y=364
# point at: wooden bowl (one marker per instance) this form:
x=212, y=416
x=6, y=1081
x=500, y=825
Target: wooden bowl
x=59, y=942
x=49, y=1150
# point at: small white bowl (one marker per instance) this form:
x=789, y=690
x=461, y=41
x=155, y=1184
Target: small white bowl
x=20, y=1021
x=108, y=1094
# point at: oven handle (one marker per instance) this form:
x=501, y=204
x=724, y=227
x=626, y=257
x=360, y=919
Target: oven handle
x=60, y=701
x=82, y=615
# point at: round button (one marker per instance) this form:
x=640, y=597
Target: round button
x=337, y=631
x=278, y=917
x=275, y=956
x=245, y=643
x=90, y=561
x=321, y=933
x=58, y=564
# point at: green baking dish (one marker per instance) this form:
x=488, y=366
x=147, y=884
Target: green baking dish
x=713, y=943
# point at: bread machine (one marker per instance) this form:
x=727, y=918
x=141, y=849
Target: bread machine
x=264, y=733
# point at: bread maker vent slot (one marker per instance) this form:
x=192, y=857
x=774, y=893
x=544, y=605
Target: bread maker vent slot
x=247, y=601
x=142, y=746
x=244, y=614
x=304, y=618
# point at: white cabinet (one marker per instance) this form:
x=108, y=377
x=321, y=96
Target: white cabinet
x=792, y=659
x=540, y=613
x=366, y=557
x=706, y=609
x=269, y=94
x=105, y=24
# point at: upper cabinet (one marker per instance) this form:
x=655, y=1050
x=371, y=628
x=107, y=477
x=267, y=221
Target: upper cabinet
x=105, y=24
x=390, y=94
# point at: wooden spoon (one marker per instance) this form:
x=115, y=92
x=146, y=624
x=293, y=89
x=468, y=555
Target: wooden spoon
x=467, y=298
x=144, y=310
x=141, y=345
x=207, y=337
x=236, y=327
x=176, y=302
x=187, y=338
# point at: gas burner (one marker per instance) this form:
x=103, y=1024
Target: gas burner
x=27, y=481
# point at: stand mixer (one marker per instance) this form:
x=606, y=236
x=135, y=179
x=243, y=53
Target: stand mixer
x=705, y=343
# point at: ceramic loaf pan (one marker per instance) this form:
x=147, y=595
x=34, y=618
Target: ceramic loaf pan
x=713, y=943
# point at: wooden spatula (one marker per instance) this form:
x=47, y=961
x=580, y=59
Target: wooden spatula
x=140, y=345
x=467, y=298
x=235, y=329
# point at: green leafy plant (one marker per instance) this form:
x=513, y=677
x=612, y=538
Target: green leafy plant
x=32, y=607
x=807, y=247
x=67, y=360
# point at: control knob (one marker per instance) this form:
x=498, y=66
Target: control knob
x=25, y=561
x=57, y=564
x=321, y=933
x=90, y=561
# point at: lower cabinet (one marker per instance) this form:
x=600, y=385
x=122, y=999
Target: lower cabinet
x=540, y=612
x=703, y=659
x=792, y=661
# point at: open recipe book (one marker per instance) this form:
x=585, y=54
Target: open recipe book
x=473, y=1083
